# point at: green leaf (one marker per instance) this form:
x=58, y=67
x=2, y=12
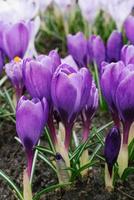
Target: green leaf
x=11, y=185
x=95, y=152
x=128, y=171
x=82, y=168
x=49, y=189
x=131, y=150
x=42, y=157
x=44, y=150
x=49, y=140
x=9, y=100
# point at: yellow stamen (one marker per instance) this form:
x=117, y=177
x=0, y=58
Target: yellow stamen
x=17, y=59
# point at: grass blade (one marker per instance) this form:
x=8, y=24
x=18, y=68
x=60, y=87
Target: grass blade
x=11, y=185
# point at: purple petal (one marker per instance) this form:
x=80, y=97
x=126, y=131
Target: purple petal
x=114, y=45
x=15, y=40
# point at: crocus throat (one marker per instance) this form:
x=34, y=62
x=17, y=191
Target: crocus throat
x=17, y=59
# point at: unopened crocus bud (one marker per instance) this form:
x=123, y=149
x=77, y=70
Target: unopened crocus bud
x=114, y=45
x=31, y=117
x=70, y=90
x=14, y=39
x=37, y=75
x=127, y=54
x=110, y=75
x=77, y=47
x=14, y=73
x=129, y=27
x=96, y=50
x=111, y=151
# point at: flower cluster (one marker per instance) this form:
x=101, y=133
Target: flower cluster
x=54, y=87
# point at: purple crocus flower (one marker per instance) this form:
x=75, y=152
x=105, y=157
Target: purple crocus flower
x=14, y=39
x=127, y=54
x=70, y=90
x=125, y=100
x=89, y=110
x=77, y=47
x=96, y=50
x=31, y=117
x=110, y=75
x=129, y=28
x=114, y=45
x=37, y=76
x=112, y=148
x=14, y=73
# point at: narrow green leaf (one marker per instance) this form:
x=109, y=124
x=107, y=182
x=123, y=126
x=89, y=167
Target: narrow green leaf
x=128, y=171
x=44, y=150
x=95, y=152
x=131, y=150
x=11, y=184
x=9, y=100
x=49, y=140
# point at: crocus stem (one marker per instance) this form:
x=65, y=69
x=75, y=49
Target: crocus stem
x=30, y=155
x=85, y=133
x=68, y=131
x=108, y=178
x=52, y=130
x=98, y=84
x=85, y=157
x=123, y=154
x=27, y=190
x=18, y=93
x=116, y=119
x=126, y=129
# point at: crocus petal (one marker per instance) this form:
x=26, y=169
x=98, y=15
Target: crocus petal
x=127, y=54
x=37, y=77
x=129, y=27
x=16, y=40
x=125, y=98
x=111, y=75
x=63, y=95
x=30, y=120
x=114, y=45
x=77, y=47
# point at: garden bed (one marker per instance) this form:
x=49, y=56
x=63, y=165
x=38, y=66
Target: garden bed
x=12, y=162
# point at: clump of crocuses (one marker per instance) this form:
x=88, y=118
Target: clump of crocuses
x=69, y=93
x=86, y=51
x=120, y=99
